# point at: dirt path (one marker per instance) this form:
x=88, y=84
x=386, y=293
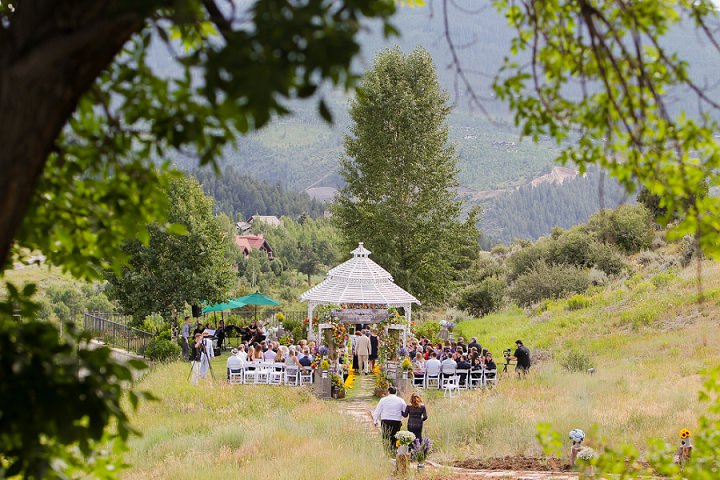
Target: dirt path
x=360, y=407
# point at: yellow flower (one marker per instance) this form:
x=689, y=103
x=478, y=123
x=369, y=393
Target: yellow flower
x=685, y=433
x=397, y=443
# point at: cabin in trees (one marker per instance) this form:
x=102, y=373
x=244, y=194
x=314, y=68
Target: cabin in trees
x=248, y=243
x=270, y=220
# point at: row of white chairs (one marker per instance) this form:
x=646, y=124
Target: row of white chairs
x=461, y=378
x=270, y=374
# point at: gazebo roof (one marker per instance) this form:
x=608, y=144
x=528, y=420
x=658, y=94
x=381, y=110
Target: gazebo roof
x=359, y=280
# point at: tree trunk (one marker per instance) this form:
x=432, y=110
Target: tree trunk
x=49, y=57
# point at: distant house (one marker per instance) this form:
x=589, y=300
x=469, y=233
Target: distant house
x=248, y=243
x=242, y=227
x=270, y=220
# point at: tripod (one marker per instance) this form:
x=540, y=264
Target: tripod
x=505, y=365
x=200, y=351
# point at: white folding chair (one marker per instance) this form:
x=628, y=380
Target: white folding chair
x=235, y=376
x=419, y=378
x=291, y=376
x=464, y=378
x=477, y=378
x=451, y=385
x=432, y=381
x=306, y=376
x=249, y=372
x=446, y=372
x=491, y=377
x=262, y=374
x=276, y=375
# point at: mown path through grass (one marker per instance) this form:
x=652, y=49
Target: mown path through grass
x=359, y=407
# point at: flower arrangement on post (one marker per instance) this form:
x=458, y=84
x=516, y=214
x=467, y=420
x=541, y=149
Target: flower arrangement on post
x=336, y=382
x=406, y=366
x=420, y=450
x=403, y=440
x=450, y=326
x=280, y=317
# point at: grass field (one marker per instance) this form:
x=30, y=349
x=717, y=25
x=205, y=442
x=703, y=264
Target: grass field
x=649, y=345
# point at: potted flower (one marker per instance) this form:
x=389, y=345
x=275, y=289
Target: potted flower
x=584, y=460
x=406, y=366
x=381, y=385
x=420, y=450
x=337, y=389
x=403, y=440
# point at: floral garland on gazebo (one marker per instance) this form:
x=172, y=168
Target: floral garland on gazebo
x=339, y=333
x=390, y=341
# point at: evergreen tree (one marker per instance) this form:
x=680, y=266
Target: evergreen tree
x=399, y=194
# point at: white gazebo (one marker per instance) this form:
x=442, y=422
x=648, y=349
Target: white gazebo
x=359, y=281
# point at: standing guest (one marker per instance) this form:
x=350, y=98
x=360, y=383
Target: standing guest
x=522, y=355
x=417, y=414
x=474, y=344
x=184, y=338
x=362, y=349
x=461, y=343
x=220, y=334
x=389, y=413
x=374, y=345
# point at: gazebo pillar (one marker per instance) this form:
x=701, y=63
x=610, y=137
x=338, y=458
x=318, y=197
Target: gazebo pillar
x=408, y=316
x=311, y=308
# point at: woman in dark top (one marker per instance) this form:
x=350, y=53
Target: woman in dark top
x=374, y=342
x=417, y=414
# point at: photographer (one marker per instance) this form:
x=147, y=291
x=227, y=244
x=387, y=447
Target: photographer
x=522, y=355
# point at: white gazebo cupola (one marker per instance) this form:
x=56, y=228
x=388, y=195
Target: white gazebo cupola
x=358, y=281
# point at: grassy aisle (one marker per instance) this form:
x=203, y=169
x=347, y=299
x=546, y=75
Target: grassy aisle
x=250, y=432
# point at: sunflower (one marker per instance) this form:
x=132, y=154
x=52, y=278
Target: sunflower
x=397, y=443
x=685, y=433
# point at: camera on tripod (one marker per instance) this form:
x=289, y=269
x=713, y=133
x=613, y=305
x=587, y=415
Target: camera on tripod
x=507, y=354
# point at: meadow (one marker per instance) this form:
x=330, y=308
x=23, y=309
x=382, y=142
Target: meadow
x=647, y=338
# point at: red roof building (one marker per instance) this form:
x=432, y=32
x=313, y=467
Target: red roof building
x=248, y=243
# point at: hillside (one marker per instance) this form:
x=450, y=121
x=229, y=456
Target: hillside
x=301, y=151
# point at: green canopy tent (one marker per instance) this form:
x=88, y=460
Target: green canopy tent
x=221, y=307
x=256, y=299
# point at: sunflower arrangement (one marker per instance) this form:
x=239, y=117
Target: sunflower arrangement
x=685, y=433
x=403, y=437
x=339, y=334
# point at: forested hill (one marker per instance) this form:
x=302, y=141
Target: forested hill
x=532, y=212
x=240, y=196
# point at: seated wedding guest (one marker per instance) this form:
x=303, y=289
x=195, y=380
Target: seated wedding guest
x=305, y=360
x=448, y=363
x=419, y=360
x=292, y=360
x=242, y=354
x=269, y=355
x=433, y=365
x=461, y=343
x=257, y=353
x=313, y=347
x=463, y=364
x=489, y=362
x=282, y=353
x=234, y=363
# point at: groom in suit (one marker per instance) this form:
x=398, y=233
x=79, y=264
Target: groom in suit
x=362, y=350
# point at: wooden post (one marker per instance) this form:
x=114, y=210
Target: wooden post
x=685, y=451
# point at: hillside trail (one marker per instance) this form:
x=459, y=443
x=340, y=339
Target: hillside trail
x=360, y=408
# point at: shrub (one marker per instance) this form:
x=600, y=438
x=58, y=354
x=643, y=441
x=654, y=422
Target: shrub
x=662, y=279
x=606, y=258
x=573, y=248
x=597, y=277
x=578, y=302
x=548, y=281
x=153, y=323
x=522, y=260
x=430, y=330
x=575, y=361
x=162, y=350
x=630, y=227
x=484, y=298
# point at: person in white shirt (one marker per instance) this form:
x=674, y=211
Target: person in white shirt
x=234, y=363
x=389, y=412
x=242, y=354
x=269, y=355
x=433, y=365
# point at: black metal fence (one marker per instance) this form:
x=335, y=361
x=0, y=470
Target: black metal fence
x=116, y=334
